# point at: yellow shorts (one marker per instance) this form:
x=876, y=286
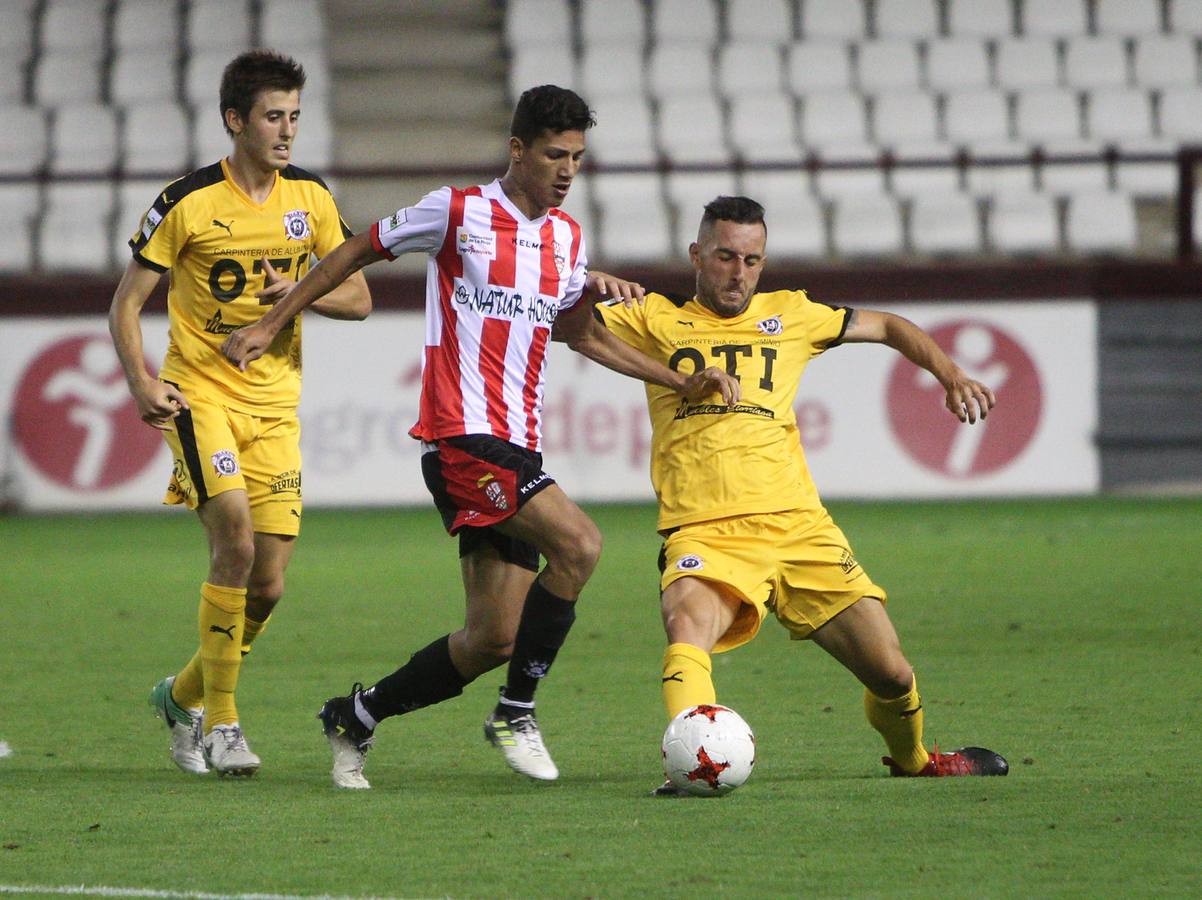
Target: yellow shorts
x=218, y=449
x=796, y=563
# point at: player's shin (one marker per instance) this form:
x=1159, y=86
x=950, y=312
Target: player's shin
x=900, y=723
x=686, y=679
x=189, y=687
x=544, y=626
x=252, y=629
x=222, y=614
x=429, y=677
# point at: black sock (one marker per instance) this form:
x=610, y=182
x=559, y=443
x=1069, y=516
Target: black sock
x=546, y=620
x=428, y=678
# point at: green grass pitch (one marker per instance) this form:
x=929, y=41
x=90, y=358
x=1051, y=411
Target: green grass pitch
x=1066, y=634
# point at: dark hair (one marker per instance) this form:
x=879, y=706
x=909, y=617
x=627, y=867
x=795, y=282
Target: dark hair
x=549, y=108
x=253, y=72
x=742, y=210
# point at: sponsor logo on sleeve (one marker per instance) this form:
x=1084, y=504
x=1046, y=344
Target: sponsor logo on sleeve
x=396, y=220
x=150, y=222
x=296, y=224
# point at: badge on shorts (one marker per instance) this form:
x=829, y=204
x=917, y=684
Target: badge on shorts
x=296, y=224
x=494, y=492
x=690, y=563
x=225, y=463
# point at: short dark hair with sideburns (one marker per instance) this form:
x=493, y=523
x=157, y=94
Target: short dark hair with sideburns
x=254, y=72
x=549, y=108
x=742, y=210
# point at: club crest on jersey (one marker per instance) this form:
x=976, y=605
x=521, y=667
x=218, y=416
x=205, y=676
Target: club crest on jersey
x=561, y=258
x=690, y=563
x=494, y=492
x=470, y=244
x=296, y=225
x=771, y=327
x=225, y=463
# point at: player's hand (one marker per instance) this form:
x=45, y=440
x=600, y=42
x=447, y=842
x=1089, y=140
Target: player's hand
x=602, y=286
x=969, y=400
x=709, y=381
x=246, y=345
x=158, y=403
x=276, y=286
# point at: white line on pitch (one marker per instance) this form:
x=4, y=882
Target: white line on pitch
x=98, y=891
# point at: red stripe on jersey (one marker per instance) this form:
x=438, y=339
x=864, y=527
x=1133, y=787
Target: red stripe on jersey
x=548, y=280
x=574, y=227
x=375, y=242
x=535, y=360
x=449, y=260
x=502, y=271
x=494, y=340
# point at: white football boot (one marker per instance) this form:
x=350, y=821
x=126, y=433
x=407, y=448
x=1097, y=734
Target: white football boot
x=228, y=753
x=518, y=738
x=187, y=742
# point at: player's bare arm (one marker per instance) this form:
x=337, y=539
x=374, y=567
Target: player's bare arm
x=158, y=403
x=966, y=398
x=350, y=301
x=580, y=330
x=247, y=344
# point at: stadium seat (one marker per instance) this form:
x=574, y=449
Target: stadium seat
x=974, y=116
x=945, y=223
x=1117, y=114
x=833, y=117
x=74, y=25
x=1185, y=17
x=21, y=203
x=209, y=140
x=624, y=134
x=1054, y=18
x=13, y=66
x=1092, y=62
x=202, y=76
x=579, y=205
x=1165, y=61
x=532, y=64
x=887, y=65
x=913, y=180
x=23, y=140
x=16, y=31
x=65, y=76
x=144, y=74
x=999, y=167
x=134, y=197
x=613, y=21
x=866, y=225
x=907, y=18
x=794, y=216
x=1047, y=114
x=980, y=18
x=760, y=20
x=633, y=220
x=833, y=181
x=537, y=22
x=74, y=232
x=691, y=130
x=684, y=20
x=1026, y=62
x=763, y=128
x=746, y=67
x=1100, y=222
x=611, y=68
x=833, y=19
x=1023, y=223
x=156, y=138
x=687, y=193
x=817, y=66
x=1127, y=17
x=146, y=25
x=1181, y=114
x=957, y=64
x=680, y=69
x=292, y=26
x=1148, y=179
x=218, y=25
x=84, y=139
x=904, y=117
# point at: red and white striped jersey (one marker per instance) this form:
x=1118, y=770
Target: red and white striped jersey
x=495, y=282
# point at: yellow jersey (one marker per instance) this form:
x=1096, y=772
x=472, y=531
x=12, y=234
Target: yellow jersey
x=213, y=238
x=710, y=461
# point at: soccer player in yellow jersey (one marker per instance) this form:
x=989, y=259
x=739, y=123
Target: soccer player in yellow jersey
x=236, y=236
x=745, y=533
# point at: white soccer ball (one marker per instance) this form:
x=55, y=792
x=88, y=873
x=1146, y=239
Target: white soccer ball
x=708, y=751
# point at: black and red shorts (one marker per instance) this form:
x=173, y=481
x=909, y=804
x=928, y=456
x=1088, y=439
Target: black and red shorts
x=478, y=480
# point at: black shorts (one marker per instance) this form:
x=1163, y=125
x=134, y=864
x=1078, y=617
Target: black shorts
x=478, y=480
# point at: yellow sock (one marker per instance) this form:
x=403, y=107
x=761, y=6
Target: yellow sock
x=189, y=687
x=251, y=630
x=222, y=614
x=900, y=724
x=686, y=678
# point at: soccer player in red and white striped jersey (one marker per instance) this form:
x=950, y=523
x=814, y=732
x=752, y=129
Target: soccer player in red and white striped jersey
x=506, y=273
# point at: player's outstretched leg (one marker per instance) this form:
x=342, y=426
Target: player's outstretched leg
x=349, y=738
x=187, y=744
x=965, y=761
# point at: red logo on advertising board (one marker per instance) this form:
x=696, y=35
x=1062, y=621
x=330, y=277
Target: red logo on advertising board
x=74, y=420
x=938, y=440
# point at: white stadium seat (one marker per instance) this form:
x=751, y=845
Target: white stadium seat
x=537, y=22
x=1054, y=18
x=684, y=20
x=1027, y=62
x=1181, y=114
x=921, y=178
x=84, y=139
x=794, y=216
x=747, y=67
x=999, y=167
x=218, y=25
x=292, y=26
x=763, y=128
x=866, y=178
x=1101, y=222
x=907, y=18
x=74, y=232
x=976, y=115
x=144, y=74
x=21, y=203
x=1115, y=115
x=957, y=64
x=533, y=64
x=945, y=222
x=624, y=134
x=1185, y=16
x=634, y=222
x=12, y=76
x=1023, y=223
x=134, y=197
x=904, y=117
x=680, y=68
x=613, y=21
x=688, y=192
x=760, y=20
x=155, y=138
x=16, y=31
x=980, y=18
x=817, y=65
x=75, y=25
x=1165, y=61
x=887, y=65
x=612, y=68
x=833, y=117
x=866, y=225
x=64, y=76
x=833, y=19
x=24, y=140
x=146, y=25
x=1047, y=114
x=1127, y=17
x=209, y=140
x=1091, y=62
x=202, y=76
x=691, y=130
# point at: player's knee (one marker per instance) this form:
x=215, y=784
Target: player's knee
x=686, y=623
x=578, y=551
x=894, y=680
x=490, y=650
x=262, y=594
x=233, y=555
